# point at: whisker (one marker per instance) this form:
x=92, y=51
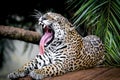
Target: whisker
x=37, y=14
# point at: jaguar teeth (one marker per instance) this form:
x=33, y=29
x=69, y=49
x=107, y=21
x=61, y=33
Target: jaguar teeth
x=44, y=26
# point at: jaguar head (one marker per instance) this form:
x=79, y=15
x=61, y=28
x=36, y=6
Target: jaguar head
x=54, y=26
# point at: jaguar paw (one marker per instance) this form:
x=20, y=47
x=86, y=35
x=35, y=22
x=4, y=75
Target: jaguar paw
x=35, y=75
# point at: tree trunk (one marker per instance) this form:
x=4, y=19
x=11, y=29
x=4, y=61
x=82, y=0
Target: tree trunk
x=19, y=34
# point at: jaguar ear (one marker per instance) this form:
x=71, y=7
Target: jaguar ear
x=72, y=28
x=71, y=25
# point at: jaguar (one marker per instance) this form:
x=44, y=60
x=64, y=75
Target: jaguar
x=61, y=50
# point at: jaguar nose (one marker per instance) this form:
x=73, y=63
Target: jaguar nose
x=41, y=19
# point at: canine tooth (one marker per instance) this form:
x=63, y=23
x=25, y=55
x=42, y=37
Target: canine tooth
x=44, y=26
x=39, y=22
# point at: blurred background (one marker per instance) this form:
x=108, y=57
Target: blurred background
x=96, y=17
x=20, y=13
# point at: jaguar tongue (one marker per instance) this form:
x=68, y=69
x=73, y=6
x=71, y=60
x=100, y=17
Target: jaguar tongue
x=45, y=38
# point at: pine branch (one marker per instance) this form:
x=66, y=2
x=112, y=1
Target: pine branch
x=19, y=34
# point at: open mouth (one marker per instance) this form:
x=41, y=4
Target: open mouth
x=46, y=38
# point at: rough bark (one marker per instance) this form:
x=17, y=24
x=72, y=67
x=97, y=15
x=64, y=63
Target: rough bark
x=19, y=34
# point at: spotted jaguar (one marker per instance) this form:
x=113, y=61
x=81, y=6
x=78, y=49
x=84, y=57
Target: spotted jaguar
x=62, y=50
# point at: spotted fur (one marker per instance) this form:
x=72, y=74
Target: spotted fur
x=68, y=51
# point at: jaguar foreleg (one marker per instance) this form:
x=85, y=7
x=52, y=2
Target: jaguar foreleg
x=48, y=71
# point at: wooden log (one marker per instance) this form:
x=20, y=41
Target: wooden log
x=19, y=34
x=88, y=74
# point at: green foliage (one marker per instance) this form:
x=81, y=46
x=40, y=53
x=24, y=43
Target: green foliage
x=100, y=17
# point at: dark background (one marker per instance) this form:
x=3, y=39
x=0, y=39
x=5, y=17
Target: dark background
x=26, y=8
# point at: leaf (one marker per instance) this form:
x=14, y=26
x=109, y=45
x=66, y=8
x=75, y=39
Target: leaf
x=102, y=18
x=83, y=7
